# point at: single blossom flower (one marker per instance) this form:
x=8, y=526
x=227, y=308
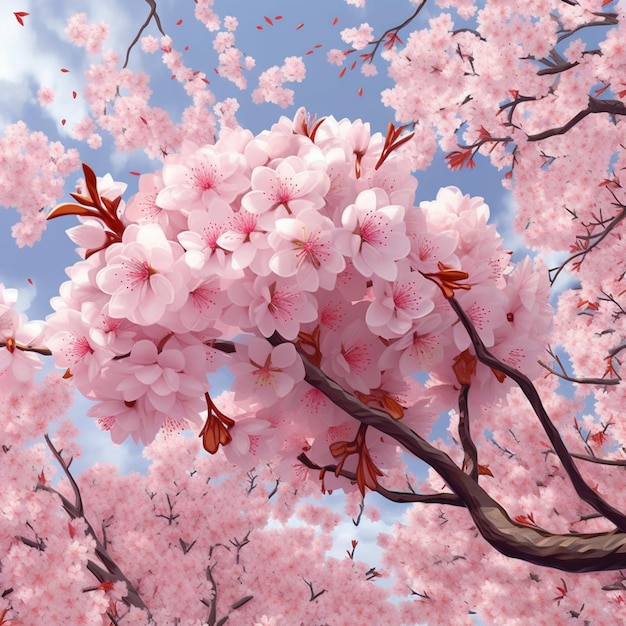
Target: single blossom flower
x=266, y=372
x=142, y=275
x=373, y=234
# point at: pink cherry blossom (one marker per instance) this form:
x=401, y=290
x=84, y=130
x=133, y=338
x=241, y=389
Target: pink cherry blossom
x=373, y=235
x=203, y=175
x=289, y=185
x=266, y=372
x=142, y=275
x=304, y=248
x=396, y=305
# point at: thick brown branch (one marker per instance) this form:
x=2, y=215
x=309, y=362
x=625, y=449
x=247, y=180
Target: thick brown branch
x=584, y=491
x=568, y=552
x=470, y=460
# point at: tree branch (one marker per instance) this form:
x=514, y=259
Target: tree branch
x=569, y=552
x=614, y=107
x=153, y=14
x=470, y=460
x=18, y=346
x=584, y=491
x=112, y=572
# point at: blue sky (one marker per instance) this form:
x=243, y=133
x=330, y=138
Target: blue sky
x=31, y=57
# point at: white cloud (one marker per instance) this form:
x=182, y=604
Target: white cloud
x=31, y=56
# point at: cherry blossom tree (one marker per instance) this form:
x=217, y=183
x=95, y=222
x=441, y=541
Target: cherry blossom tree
x=351, y=313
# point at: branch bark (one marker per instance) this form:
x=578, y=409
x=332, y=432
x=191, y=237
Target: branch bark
x=568, y=552
x=613, y=107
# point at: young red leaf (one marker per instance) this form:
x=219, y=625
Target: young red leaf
x=309, y=52
x=135, y=173
x=335, y=21
x=299, y=26
x=343, y=71
x=144, y=120
x=600, y=90
x=64, y=70
x=179, y=22
x=30, y=280
x=268, y=20
x=278, y=17
x=360, y=91
x=259, y=27
x=74, y=94
x=63, y=122
x=19, y=15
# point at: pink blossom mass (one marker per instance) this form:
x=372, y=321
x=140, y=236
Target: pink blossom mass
x=340, y=335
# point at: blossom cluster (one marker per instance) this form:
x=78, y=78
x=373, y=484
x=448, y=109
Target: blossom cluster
x=308, y=232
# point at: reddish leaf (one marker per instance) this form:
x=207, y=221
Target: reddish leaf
x=278, y=17
x=64, y=70
x=343, y=71
x=106, y=585
x=299, y=26
x=71, y=530
x=186, y=48
x=68, y=208
x=599, y=438
x=360, y=91
x=268, y=20
x=63, y=122
x=460, y=158
x=179, y=22
x=309, y=52
x=30, y=280
x=335, y=21
x=74, y=94
x=483, y=470
x=135, y=173
x=601, y=90
x=353, y=65
x=19, y=15
x=259, y=27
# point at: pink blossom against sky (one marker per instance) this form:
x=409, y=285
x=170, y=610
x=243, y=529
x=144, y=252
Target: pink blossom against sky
x=146, y=289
